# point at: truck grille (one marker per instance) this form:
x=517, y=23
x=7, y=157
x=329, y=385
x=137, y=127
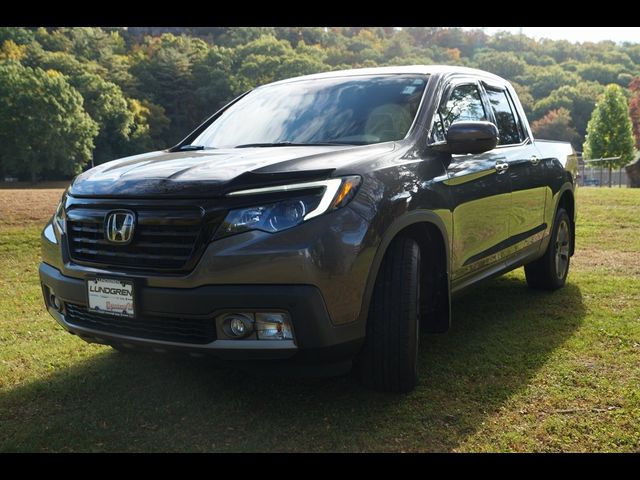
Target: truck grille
x=164, y=240
x=171, y=329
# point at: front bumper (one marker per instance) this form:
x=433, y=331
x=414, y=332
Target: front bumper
x=317, y=339
x=333, y=252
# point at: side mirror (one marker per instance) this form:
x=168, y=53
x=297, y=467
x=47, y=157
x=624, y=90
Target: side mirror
x=471, y=137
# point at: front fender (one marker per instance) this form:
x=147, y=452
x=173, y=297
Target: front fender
x=438, y=219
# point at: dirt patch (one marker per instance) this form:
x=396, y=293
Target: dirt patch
x=626, y=263
x=22, y=207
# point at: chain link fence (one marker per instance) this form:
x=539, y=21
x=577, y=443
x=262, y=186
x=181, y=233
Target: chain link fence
x=595, y=173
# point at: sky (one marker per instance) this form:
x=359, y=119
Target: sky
x=574, y=34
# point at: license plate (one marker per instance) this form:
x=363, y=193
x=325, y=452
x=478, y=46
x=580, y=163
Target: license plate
x=111, y=296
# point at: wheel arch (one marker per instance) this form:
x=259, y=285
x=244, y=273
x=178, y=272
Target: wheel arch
x=431, y=234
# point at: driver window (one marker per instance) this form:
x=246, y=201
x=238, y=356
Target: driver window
x=464, y=104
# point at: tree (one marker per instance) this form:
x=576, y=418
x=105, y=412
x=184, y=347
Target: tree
x=561, y=50
x=268, y=59
x=609, y=131
x=555, y=125
x=9, y=50
x=18, y=35
x=108, y=107
x=164, y=76
x=63, y=62
x=94, y=49
x=399, y=45
x=525, y=97
x=55, y=41
x=94, y=43
x=235, y=36
x=543, y=80
x=465, y=41
x=104, y=101
x=43, y=126
x=580, y=100
x=148, y=129
x=511, y=42
x=634, y=109
x=214, y=81
x=505, y=64
x=601, y=73
x=308, y=35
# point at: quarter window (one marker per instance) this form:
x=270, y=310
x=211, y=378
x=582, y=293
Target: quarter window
x=464, y=104
x=505, y=119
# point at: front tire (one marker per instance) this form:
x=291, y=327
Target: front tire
x=550, y=271
x=389, y=360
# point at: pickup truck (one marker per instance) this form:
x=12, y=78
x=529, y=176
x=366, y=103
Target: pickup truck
x=321, y=220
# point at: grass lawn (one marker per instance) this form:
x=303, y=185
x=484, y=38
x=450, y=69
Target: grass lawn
x=519, y=371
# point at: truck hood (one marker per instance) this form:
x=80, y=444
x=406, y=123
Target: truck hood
x=215, y=172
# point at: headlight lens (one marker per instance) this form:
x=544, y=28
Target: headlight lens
x=268, y=218
x=275, y=217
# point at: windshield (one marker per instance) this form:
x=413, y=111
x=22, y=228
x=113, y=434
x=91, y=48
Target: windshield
x=345, y=110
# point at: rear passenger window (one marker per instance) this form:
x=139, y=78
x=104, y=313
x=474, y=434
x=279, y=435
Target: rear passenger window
x=507, y=124
x=464, y=104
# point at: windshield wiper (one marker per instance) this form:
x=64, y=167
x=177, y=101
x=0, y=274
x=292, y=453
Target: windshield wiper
x=185, y=148
x=291, y=144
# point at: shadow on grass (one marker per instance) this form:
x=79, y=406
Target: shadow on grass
x=502, y=334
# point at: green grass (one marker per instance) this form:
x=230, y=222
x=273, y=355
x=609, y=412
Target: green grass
x=519, y=371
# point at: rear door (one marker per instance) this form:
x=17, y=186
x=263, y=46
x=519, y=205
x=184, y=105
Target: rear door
x=525, y=171
x=480, y=193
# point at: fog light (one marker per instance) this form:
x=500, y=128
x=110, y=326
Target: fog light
x=273, y=326
x=238, y=328
x=238, y=325
x=55, y=302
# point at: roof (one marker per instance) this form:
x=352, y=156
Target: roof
x=405, y=69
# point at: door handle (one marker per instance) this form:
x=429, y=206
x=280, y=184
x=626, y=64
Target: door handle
x=501, y=167
x=534, y=160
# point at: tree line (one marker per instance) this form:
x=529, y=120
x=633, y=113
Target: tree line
x=72, y=96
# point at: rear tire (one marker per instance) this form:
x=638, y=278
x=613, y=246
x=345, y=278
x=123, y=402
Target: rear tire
x=389, y=359
x=550, y=271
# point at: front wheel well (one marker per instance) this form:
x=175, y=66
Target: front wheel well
x=434, y=278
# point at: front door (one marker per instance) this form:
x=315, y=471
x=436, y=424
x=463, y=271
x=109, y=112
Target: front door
x=479, y=188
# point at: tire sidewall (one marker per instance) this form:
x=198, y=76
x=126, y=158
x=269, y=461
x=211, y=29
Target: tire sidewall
x=560, y=216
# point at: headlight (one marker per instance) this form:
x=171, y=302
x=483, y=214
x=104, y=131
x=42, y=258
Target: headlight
x=275, y=217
